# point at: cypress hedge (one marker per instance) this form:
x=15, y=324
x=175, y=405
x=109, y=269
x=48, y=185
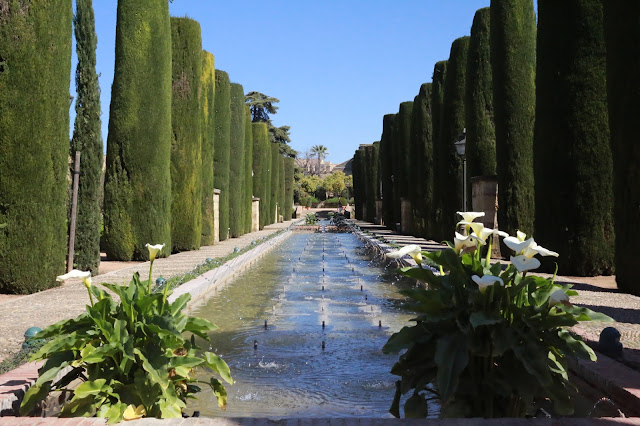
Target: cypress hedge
x=453, y=123
x=438, y=232
x=260, y=166
x=87, y=138
x=623, y=87
x=574, y=205
x=421, y=163
x=289, y=171
x=137, y=192
x=386, y=168
x=481, y=134
x=275, y=182
x=268, y=216
x=222, y=147
x=371, y=181
x=207, y=131
x=282, y=189
x=358, y=190
x=236, y=162
x=35, y=71
x=401, y=155
x=186, y=144
x=248, y=169
x=513, y=61
x=375, y=180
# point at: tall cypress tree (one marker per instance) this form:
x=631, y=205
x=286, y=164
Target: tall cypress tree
x=236, y=161
x=289, y=170
x=574, y=205
x=358, y=190
x=623, y=87
x=481, y=134
x=268, y=214
x=370, y=180
x=260, y=166
x=35, y=71
x=281, y=188
x=248, y=169
x=186, y=144
x=401, y=155
x=222, y=147
x=421, y=163
x=386, y=168
x=207, y=131
x=437, y=98
x=453, y=122
x=275, y=182
x=87, y=138
x=375, y=179
x=137, y=189
x=513, y=62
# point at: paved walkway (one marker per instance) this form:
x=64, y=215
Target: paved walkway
x=69, y=300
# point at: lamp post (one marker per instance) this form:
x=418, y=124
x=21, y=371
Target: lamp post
x=460, y=148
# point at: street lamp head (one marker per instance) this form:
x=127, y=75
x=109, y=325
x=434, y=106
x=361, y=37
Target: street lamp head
x=460, y=144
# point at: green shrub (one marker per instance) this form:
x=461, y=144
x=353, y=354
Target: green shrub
x=35, y=70
x=481, y=134
x=289, y=169
x=453, y=119
x=139, y=141
x=574, y=204
x=186, y=144
x=261, y=157
x=274, y=176
x=248, y=167
x=222, y=147
x=513, y=61
x=401, y=155
x=207, y=101
x=281, y=189
x=236, y=162
x=623, y=87
x=386, y=168
x=437, y=100
x=371, y=180
x=421, y=164
x=87, y=138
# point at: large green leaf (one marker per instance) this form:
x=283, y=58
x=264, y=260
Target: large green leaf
x=180, y=303
x=33, y=396
x=451, y=357
x=163, y=325
x=577, y=346
x=220, y=392
x=101, y=353
x=155, y=375
x=80, y=407
x=113, y=413
x=416, y=407
x=199, y=326
x=395, y=405
x=171, y=407
x=405, y=338
x=218, y=365
x=93, y=387
x=479, y=318
x=585, y=314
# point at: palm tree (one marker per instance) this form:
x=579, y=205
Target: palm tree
x=320, y=152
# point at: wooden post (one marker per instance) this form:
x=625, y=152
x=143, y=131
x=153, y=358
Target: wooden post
x=74, y=208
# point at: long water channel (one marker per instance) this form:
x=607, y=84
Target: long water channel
x=315, y=289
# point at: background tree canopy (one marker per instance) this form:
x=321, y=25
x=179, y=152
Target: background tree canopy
x=261, y=106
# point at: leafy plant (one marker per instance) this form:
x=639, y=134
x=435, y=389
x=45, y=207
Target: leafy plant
x=487, y=341
x=131, y=355
x=310, y=219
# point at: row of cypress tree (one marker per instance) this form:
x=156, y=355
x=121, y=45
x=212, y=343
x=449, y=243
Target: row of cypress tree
x=537, y=114
x=177, y=129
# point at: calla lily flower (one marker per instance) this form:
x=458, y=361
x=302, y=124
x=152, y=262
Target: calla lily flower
x=413, y=250
x=558, y=297
x=486, y=281
x=487, y=232
x=524, y=263
x=75, y=273
x=534, y=249
x=153, y=250
x=476, y=227
x=133, y=413
x=460, y=241
x=470, y=216
x=518, y=246
x=521, y=235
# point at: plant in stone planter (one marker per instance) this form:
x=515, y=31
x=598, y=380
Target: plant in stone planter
x=487, y=341
x=131, y=356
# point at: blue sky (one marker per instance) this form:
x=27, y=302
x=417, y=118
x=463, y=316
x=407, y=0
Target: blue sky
x=336, y=66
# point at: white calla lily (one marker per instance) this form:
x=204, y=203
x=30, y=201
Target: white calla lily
x=460, y=241
x=153, y=250
x=558, y=297
x=74, y=273
x=487, y=232
x=534, y=249
x=516, y=245
x=470, y=216
x=524, y=263
x=486, y=281
x=413, y=250
x=476, y=227
x=521, y=235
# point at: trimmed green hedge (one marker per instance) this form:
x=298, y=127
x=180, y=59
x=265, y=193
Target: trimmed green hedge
x=207, y=100
x=421, y=163
x=289, y=170
x=453, y=123
x=513, y=61
x=623, y=87
x=358, y=184
x=248, y=169
x=222, y=147
x=274, y=171
x=282, y=189
x=186, y=145
x=572, y=156
x=35, y=71
x=87, y=138
x=401, y=155
x=261, y=157
x=137, y=193
x=371, y=180
x=236, y=163
x=437, y=99
x=481, y=134
x=386, y=168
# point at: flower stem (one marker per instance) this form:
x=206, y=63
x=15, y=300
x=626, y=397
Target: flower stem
x=150, y=271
